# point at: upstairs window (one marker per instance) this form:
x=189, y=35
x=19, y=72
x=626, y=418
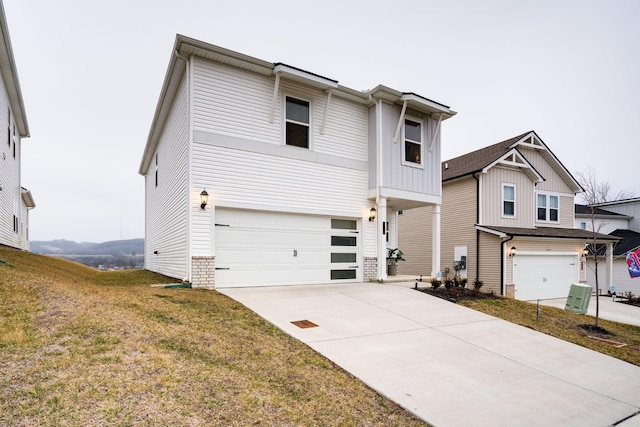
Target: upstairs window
x=547, y=207
x=412, y=141
x=297, y=122
x=508, y=200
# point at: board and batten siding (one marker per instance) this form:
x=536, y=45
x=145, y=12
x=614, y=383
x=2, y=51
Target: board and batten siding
x=553, y=182
x=414, y=239
x=10, y=196
x=458, y=219
x=166, y=203
x=492, y=183
x=237, y=103
x=399, y=176
x=631, y=209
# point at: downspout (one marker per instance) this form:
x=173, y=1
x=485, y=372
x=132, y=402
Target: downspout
x=477, y=223
x=502, y=266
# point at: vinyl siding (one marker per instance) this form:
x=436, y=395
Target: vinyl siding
x=458, y=218
x=233, y=102
x=414, y=238
x=631, y=209
x=166, y=204
x=246, y=179
x=492, y=198
x=397, y=175
x=552, y=180
x=490, y=259
x=10, y=196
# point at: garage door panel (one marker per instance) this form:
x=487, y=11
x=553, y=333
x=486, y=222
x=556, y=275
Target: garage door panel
x=544, y=276
x=266, y=248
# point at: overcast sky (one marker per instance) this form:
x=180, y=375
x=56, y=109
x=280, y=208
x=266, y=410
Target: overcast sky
x=91, y=73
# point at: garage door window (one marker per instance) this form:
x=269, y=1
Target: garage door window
x=344, y=243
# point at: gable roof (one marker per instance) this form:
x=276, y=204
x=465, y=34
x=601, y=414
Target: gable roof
x=620, y=202
x=481, y=160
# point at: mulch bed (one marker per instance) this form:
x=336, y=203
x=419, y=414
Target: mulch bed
x=456, y=294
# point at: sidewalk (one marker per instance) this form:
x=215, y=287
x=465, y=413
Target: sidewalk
x=609, y=310
x=450, y=365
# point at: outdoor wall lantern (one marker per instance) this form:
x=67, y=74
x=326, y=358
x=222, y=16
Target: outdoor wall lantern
x=512, y=252
x=204, y=198
x=585, y=252
x=372, y=214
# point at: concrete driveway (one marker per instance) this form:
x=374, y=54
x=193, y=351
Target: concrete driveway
x=609, y=309
x=450, y=365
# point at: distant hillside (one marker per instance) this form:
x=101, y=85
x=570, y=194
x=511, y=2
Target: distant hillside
x=67, y=247
x=117, y=254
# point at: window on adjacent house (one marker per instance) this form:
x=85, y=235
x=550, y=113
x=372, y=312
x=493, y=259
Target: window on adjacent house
x=583, y=225
x=8, y=127
x=547, y=206
x=508, y=200
x=156, y=169
x=297, y=122
x=412, y=141
x=15, y=224
x=14, y=140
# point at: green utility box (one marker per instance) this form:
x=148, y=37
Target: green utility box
x=579, y=297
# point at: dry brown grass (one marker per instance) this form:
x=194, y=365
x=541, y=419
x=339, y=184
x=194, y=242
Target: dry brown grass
x=80, y=347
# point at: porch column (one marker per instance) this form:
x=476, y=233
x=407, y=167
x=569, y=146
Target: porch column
x=609, y=267
x=435, y=241
x=382, y=238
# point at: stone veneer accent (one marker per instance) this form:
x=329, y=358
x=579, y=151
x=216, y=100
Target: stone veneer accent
x=370, y=268
x=203, y=272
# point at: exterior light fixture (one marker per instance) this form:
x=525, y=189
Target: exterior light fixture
x=585, y=252
x=512, y=252
x=204, y=198
x=372, y=214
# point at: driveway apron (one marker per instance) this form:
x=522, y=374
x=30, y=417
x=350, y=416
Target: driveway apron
x=450, y=365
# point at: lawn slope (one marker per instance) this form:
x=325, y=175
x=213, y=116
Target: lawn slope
x=82, y=347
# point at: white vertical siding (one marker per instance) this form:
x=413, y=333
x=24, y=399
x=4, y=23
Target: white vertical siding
x=166, y=210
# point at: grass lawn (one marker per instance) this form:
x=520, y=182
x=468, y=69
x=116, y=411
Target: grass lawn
x=558, y=323
x=82, y=347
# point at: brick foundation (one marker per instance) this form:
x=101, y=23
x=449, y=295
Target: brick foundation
x=203, y=272
x=370, y=268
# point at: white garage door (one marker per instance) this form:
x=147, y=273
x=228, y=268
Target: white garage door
x=255, y=248
x=544, y=276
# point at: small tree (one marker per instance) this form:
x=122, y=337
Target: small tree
x=594, y=193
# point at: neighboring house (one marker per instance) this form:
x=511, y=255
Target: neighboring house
x=303, y=176
x=507, y=219
x=600, y=220
x=15, y=200
x=619, y=218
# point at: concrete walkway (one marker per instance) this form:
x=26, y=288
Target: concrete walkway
x=450, y=365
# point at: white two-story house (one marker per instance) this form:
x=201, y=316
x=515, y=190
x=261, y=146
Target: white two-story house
x=260, y=173
x=15, y=200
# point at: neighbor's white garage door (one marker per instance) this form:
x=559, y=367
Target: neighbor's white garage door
x=256, y=248
x=544, y=276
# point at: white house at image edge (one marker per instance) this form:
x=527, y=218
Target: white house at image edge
x=304, y=176
x=15, y=200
